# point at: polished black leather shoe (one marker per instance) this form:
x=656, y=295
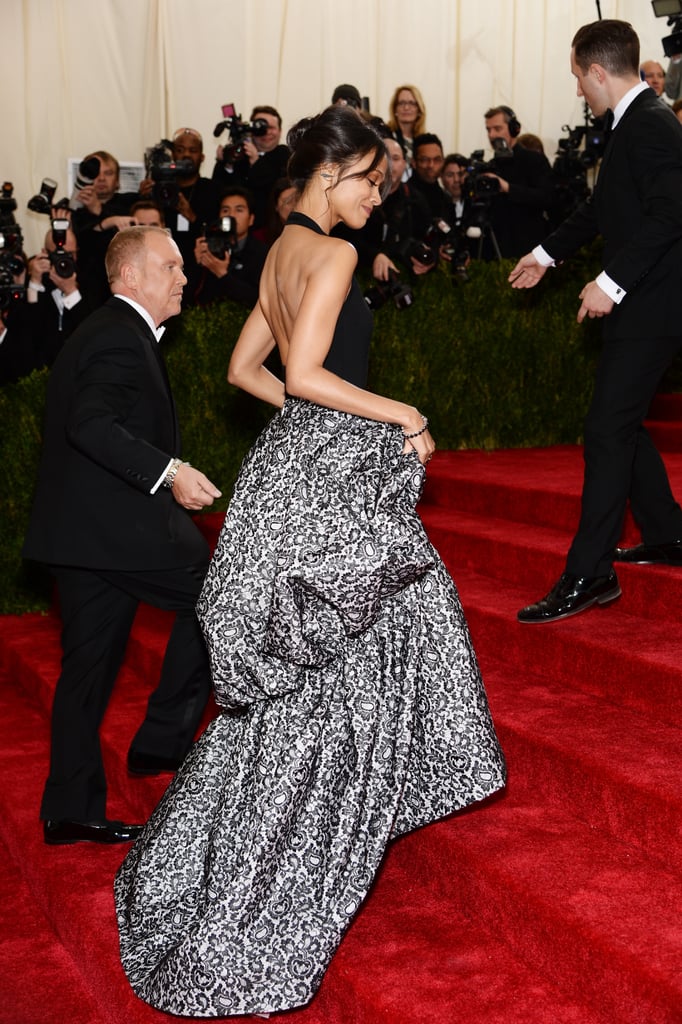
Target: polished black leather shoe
x=60, y=833
x=651, y=554
x=570, y=595
x=150, y=764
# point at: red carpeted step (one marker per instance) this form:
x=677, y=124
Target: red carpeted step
x=531, y=559
x=537, y=486
x=604, y=652
x=41, y=982
x=585, y=911
x=617, y=770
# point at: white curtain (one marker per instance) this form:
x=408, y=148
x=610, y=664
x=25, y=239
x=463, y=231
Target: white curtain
x=79, y=75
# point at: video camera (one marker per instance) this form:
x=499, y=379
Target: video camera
x=239, y=131
x=221, y=236
x=672, y=10
x=165, y=171
x=384, y=291
x=11, y=245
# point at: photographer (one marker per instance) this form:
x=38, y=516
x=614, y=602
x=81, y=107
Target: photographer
x=230, y=261
x=18, y=357
x=187, y=199
x=99, y=210
x=427, y=161
x=524, y=189
x=56, y=305
x=99, y=205
x=261, y=159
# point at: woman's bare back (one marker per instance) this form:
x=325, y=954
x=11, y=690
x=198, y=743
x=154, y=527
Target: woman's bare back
x=297, y=259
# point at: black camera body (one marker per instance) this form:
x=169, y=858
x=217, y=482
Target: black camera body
x=393, y=290
x=63, y=262
x=239, y=131
x=166, y=172
x=221, y=236
x=11, y=250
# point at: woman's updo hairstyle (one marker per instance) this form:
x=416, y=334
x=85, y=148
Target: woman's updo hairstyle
x=338, y=136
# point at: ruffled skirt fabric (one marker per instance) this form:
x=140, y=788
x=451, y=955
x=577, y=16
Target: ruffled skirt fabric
x=353, y=712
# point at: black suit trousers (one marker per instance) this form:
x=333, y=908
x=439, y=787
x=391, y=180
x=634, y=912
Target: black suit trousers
x=621, y=461
x=97, y=609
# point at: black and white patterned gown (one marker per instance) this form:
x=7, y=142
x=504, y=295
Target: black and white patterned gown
x=354, y=712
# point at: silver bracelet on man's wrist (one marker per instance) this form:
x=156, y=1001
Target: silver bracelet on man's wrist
x=170, y=476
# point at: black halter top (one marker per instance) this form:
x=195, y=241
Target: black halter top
x=348, y=355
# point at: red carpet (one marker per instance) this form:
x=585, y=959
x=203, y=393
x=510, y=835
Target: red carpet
x=557, y=903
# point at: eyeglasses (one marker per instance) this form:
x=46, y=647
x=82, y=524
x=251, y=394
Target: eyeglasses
x=407, y=103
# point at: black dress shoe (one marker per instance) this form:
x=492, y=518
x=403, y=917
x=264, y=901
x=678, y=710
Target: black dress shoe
x=651, y=554
x=150, y=764
x=60, y=833
x=570, y=595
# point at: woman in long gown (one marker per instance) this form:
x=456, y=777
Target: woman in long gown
x=353, y=708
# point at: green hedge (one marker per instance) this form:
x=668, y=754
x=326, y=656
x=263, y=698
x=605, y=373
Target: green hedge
x=490, y=366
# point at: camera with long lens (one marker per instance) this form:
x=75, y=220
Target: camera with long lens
x=672, y=10
x=63, y=262
x=166, y=172
x=88, y=171
x=394, y=290
x=239, y=131
x=221, y=237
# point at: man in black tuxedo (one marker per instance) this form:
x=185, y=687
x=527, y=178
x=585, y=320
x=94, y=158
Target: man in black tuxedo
x=637, y=208
x=110, y=519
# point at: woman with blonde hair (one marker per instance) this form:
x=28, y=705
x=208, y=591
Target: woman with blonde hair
x=407, y=116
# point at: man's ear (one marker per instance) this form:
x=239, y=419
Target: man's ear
x=129, y=275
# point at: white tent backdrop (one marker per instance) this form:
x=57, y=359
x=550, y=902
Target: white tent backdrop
x=79, y=75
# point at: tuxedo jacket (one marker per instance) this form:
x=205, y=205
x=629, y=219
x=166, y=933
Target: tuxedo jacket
x=637, y=208
x=110, y=430
x=518, y=216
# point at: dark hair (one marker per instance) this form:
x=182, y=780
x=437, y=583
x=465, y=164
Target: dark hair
x=426, y=139
x=336, y=136
x=238, y=190
x=266, y=110
x=349, y=93
x=455, y=158
x=612, y=44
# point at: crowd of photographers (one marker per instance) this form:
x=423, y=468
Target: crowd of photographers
x=447, y=209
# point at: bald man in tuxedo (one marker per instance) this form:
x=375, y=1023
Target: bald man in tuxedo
x=110, y=518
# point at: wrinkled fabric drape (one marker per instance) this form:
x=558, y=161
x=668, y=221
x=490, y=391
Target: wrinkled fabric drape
x=78, y=75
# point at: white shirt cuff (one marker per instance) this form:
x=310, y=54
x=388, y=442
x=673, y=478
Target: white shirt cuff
x=543, y=258
x=613, y=290
x=161, y=478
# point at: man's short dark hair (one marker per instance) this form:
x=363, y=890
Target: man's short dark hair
x=426, y=139
x=456, y=158
x=266, y=110
x=610, y=43
x=239, y=190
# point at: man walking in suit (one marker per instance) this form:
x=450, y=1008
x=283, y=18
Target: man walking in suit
x=109, y=518
x=637, y=208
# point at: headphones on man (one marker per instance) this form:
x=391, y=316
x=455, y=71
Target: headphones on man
x=513, y=123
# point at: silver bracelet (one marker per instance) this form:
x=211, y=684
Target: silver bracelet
x=417, y=432
x=170, y=476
